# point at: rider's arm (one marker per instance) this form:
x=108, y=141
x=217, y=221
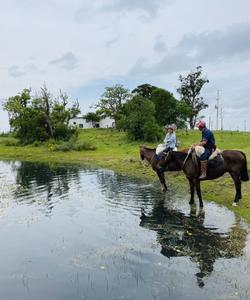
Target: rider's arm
x=201, y=143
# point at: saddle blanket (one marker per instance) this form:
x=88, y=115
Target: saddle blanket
x=199, y=150
x=161, y=148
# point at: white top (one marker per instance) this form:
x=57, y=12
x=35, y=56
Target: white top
x=170, y=140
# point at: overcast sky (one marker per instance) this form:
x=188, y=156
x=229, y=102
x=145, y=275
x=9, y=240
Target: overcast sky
x=82, y=46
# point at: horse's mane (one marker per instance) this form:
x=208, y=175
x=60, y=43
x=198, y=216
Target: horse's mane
x=147, y=148
x=180, y=154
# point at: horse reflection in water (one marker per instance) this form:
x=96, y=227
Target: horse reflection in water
x=181, y=235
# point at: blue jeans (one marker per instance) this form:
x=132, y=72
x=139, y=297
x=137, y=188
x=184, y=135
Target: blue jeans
x=206, y=154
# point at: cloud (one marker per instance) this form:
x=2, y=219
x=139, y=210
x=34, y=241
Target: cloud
x=148, y=7
x=232, y=44
x=110, y=42
x=159, y=45
x=16, y=71
x=67, y=61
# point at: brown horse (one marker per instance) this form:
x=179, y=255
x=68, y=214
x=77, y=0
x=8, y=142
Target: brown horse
x=149, y=155
x=156, y=164
x=232, y=161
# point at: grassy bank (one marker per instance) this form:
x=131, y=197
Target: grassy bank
x=115, y=152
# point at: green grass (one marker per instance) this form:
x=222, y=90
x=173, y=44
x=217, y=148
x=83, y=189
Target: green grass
x=115, y=152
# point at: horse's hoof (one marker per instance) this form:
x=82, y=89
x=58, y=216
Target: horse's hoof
x=191, y=203
x=234, y=204
x=201, y=212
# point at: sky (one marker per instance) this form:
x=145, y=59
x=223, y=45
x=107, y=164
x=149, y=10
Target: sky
x=83, y=46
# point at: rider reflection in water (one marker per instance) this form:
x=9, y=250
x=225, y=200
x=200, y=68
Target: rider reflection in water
x=208, y=142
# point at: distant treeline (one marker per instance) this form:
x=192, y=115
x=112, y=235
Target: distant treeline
x=141, y=112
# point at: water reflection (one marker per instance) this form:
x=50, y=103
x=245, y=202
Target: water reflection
x=181, y=235
x=37, y=182
x=94, y=234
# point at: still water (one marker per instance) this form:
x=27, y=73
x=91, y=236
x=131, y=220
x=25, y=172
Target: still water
x=71, y=232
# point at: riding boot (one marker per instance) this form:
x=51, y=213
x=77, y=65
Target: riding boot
x=203, y=169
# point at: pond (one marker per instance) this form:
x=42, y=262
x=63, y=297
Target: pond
x=71, y=232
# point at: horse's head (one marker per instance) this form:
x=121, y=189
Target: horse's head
x=146, y=153
x=142, y=149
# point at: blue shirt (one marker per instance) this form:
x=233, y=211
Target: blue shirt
x=170, y=140
x=207, y=135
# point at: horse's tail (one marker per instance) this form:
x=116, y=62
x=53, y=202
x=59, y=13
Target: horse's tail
x=244, y=173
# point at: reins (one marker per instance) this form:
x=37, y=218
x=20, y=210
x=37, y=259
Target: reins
x=194, y=158
x=185, y=160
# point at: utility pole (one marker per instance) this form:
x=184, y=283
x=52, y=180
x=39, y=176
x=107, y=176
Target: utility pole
x=245, y=125
x=221, y=117
x=217, y=110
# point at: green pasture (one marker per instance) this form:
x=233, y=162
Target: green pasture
x=115, y=152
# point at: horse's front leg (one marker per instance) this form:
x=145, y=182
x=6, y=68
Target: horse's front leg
x=198, y=191
x=191, y=192
x=162, y=180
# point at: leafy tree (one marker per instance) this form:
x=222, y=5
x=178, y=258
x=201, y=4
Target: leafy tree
x=40, y=117
x=189, y=91
x=144, y=90
x=112, y=100
x=92, y=117
x=165, y=106
x=139, y=121
x=168, y=109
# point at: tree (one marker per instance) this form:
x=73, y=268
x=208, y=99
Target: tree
x=168, y=109
x=112, y=100
x=165, y=106
x=139, y=121
x=92, y=117
x=144, y=90
x=40, y=117
x=189, y=91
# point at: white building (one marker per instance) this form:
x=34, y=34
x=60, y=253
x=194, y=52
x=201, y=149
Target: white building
x=83, y=123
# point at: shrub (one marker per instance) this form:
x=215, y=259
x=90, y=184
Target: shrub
x=10, y=142
x=151, y=132
x=84, y=146
x=37, y=144
x=63, y=146
x=70, y=145
x=5, y=134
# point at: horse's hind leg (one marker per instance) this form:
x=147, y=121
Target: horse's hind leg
x=198, y=191
x=237, y=184
x=191, y=192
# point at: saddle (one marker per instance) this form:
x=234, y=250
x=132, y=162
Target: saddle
x=199, y=150
x=215, y=160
